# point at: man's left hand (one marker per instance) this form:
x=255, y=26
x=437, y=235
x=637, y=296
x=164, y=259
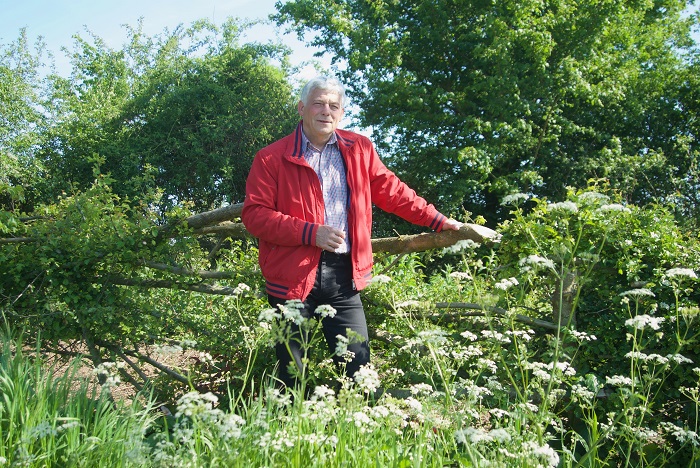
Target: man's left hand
x=452, y=224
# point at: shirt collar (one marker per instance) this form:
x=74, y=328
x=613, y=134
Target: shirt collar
x=305, y=141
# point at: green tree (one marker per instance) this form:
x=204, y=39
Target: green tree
x=182, y=113
x=22, y=120
x=473, y=100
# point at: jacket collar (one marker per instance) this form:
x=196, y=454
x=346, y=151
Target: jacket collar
x=344, y=138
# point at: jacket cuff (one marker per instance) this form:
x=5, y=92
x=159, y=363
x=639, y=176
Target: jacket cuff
x=437, y=222
x=308, y=233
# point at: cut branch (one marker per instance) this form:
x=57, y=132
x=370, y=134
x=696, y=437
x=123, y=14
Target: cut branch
x=434, y=240
x=488, y=310
x=225, y=229
x=208, y=218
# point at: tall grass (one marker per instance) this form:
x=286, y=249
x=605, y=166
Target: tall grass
x=48, y=420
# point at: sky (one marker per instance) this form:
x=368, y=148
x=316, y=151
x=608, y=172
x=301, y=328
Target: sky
x=58, y=20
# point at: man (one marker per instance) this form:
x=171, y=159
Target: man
x=309, y=202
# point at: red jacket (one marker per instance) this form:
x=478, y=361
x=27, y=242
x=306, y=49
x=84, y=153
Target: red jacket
x=284, y=207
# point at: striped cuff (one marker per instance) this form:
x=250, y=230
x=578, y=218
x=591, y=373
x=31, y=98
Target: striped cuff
x=438, y=221
x=308, y=233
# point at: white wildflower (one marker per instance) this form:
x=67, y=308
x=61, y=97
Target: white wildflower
x=582, y=393
x=268, y=315
x=546, y=452
x=472, y=435
x=525, y=335
x=361, y=419
x=683, y=436
x=569, y=206
x=421, y=389
x=655, y=358
x=487, y=364
x=240, y=289
x=500, y=435
x=459, y=246
x=380, y=279
x=619, y=380
x=684, y=272
x=323, y=392
x=278, y=398
x=291, y=313
x=505, y=284
x=495, y=335
x=325, y=310
x=640, y=322
x=43, y=429
x=614, y=207
x=367, y=379
x=582, y=336
x=499, y=413
x=640, y=292
x=432, y=337
x=593, y=197
x=461, y=275
x=341, y=345
x=468, y=335
x=535, y=261
x=194, y=403
x=679, y=359
x=514, y=199
x=230, y=425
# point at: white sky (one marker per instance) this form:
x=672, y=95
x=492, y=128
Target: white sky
x=58, y=20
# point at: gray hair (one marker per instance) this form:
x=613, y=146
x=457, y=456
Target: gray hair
x=324, y=83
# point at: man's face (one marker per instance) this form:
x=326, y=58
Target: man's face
x=321, y=116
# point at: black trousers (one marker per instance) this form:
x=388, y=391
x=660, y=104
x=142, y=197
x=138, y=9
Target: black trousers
x=333, y=286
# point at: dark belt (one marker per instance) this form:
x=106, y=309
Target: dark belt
x=334, y=256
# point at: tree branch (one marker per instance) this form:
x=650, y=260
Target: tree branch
x=161, y=367
x=16, y=240
x=187, y=272
x=434, y=240
x=488, y=310
x=168, y=284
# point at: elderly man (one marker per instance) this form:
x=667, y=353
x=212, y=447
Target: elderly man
x=309, y=202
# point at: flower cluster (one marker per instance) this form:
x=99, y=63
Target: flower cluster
x=108, y=374
x=367, y=379
x=505, y=284
x=534, y=262
x=640, y=322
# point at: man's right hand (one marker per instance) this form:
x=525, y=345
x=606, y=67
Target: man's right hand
x=329, y=238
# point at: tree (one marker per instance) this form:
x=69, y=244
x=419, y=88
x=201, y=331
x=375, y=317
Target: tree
x=474, y=100
x=182, y=113
x=22, y=120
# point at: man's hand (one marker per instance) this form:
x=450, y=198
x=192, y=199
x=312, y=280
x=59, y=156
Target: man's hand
x=452, y=224
x=329, y=238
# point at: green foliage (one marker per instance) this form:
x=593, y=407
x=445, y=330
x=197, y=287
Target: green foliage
x=475, y=100
x=612, y=249
x=22, y=121
x=60, y=420
x=58, y=281
x=183, y=113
